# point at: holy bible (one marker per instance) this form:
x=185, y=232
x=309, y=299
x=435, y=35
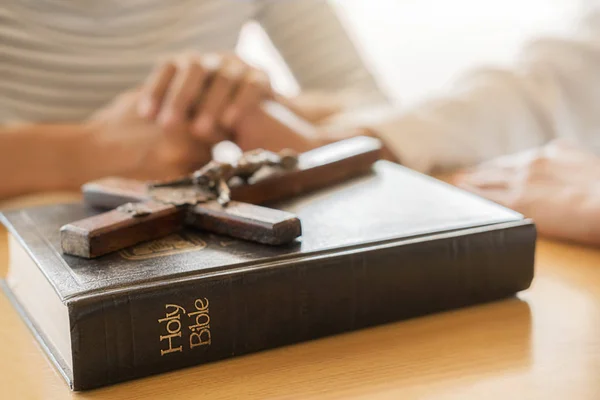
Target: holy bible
x=390, y=245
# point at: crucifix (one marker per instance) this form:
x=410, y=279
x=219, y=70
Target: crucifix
x=221, y=198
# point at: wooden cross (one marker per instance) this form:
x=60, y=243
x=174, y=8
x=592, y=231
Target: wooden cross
x=140, y=214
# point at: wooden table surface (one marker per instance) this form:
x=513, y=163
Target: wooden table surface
x=543, y=345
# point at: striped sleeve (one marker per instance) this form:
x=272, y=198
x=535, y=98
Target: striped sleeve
x=315, y=46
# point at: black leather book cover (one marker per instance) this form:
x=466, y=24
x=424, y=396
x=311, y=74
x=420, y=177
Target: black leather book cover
x=384, y=247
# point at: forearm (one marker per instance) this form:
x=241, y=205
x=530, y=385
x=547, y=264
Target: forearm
x=42, y=157
x=489, y=118
x=322, y=110
x=551, y=93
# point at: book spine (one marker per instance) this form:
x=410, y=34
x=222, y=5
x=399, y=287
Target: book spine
x=151, y=330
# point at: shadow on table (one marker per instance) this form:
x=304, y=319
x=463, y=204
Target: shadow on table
x=466, y=345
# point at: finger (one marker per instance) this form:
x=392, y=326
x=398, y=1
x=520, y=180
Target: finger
x=254, y=87
x=487, y=179
x=216, y=97
x=154, y=90
x=482, y=177
x=502, y=196
x=182, y=93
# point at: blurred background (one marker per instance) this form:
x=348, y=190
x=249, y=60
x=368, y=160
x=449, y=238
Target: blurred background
x=453, y=36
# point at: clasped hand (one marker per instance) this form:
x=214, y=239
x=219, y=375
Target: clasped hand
x=167, y=127
x=211, y=92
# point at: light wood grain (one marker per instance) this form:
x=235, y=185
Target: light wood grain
x=544, y=345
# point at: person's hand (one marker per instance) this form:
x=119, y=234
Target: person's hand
x=212, y=91
x=275, y=127
x=128, y=145
x=558, y=186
